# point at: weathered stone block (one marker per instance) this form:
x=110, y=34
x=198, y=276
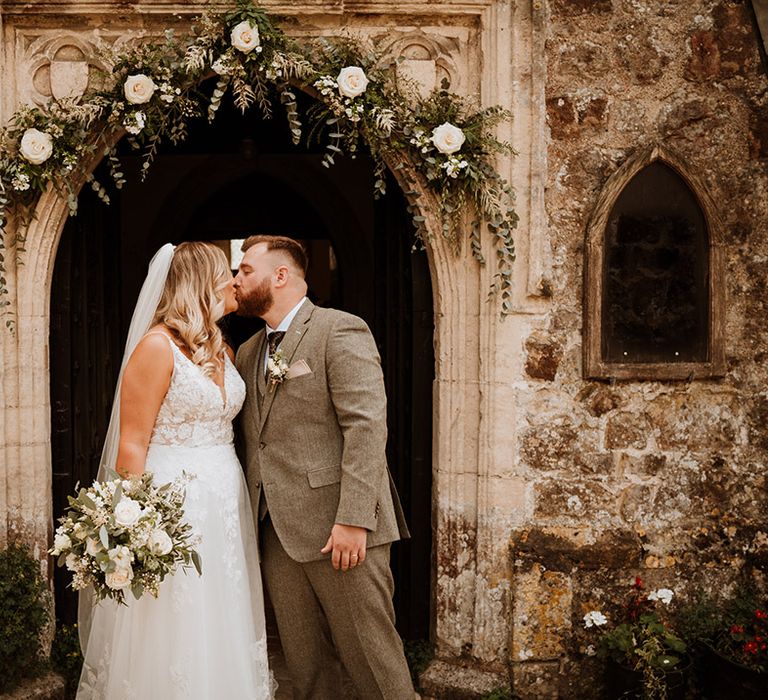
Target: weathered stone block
x=569, y=8
x=640, y=54
x=563, y=445
x=704, y=63
x=572, y=499
x=565, y=549
x=561, y=116
x=536, y=680
x=451, y=681
x=598, y=399
x=736, y=39
x=583, y=59
x=694, y=422
x=626, y=430
x=541, y=617
x=543, y=358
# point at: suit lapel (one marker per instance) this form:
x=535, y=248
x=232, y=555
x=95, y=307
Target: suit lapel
x=258, y=366
x=293, y=336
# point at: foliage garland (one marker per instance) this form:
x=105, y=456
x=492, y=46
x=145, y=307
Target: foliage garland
x=153, y=89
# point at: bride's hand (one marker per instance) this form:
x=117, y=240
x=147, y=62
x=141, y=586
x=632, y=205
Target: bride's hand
x=348, y=545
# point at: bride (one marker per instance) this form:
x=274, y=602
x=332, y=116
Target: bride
x=204, y=636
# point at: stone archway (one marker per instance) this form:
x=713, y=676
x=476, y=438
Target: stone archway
x=477, y=494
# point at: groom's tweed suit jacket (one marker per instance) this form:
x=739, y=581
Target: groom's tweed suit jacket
x=316, y=443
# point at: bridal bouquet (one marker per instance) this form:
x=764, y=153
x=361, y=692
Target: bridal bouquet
x=125, y=534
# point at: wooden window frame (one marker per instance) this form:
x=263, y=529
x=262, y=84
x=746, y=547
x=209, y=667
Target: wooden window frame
x=594, y=365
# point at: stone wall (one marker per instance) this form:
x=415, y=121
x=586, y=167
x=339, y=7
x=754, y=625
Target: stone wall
x=662, y=479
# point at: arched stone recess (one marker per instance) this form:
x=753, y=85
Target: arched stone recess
x=595, y=366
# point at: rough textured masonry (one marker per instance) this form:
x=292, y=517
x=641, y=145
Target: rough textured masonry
x=550, y=491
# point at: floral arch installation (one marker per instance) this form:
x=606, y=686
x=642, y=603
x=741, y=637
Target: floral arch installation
x=155, y=88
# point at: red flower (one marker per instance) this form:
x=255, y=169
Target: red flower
x=737, y=629
x=761, y=615
x=639, y=583
x=750, y=648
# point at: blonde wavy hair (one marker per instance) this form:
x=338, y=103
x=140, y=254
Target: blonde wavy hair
x=192, y=302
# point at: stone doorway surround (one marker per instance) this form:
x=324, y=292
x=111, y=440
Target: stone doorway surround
x=491, y=51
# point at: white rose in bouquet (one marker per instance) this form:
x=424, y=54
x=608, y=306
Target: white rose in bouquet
x=244, y=37
x=80, y=531
x=139, y=89
x=119, y=578
x=71, y=561
x=448, y=138
x=36, y=146
x=92, y=546
x=159, y=543
x=61, y=543
x=352, y=81
x=127, y=512
x=122, y=556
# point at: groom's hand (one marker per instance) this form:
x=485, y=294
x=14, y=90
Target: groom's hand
x=348, y=545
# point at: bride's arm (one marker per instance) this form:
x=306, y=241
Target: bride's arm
x=145, y=383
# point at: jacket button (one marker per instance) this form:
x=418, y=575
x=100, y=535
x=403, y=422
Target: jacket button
x=258, y=484
x=262, y=445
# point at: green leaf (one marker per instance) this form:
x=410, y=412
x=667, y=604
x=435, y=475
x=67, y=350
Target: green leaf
x=198, y=562
x=104, y=536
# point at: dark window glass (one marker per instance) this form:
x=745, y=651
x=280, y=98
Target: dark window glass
x=655, y=275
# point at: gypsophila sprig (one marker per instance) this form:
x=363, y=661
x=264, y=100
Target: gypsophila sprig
x=126, y=535
x=152, y=89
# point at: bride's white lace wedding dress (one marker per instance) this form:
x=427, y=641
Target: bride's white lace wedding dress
x=204, y=636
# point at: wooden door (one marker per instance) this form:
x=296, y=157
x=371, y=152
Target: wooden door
x=85, y=355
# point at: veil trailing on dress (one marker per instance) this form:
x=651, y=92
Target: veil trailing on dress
x=141, y=321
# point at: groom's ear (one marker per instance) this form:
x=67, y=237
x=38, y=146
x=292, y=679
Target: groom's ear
x=281, y=275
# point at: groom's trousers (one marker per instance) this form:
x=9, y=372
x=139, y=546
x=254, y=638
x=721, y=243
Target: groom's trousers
x=318, y=608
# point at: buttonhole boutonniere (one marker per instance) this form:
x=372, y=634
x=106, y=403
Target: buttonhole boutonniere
x=277, y=368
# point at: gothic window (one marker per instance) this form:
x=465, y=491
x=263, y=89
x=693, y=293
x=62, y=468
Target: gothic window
x=653, y=290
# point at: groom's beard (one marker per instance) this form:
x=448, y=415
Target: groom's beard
x=258, y=302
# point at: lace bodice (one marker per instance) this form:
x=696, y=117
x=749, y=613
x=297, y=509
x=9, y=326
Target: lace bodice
x=195, y=412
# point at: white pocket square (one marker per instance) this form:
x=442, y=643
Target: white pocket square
x=298, y=369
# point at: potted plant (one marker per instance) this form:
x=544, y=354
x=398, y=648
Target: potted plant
x=732, y=638
x=644, y=657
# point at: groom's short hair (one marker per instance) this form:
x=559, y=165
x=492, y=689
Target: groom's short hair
x=292, y=248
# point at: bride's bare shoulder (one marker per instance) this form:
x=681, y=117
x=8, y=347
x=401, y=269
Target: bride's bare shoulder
x=154, y=347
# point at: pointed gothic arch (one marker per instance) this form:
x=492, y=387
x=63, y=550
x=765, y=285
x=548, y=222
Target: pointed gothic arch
x=601, y=360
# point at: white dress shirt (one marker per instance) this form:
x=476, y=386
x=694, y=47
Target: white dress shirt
x=284, y=325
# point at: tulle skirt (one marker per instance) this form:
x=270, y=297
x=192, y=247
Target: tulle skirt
x=203, y=636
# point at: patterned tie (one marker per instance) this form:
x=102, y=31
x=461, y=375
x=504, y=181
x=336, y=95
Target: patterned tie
x=273, y=340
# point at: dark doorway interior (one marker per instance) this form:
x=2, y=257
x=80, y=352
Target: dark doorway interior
x=243, y=176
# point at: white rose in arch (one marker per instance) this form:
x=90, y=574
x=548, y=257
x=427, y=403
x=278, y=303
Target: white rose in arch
x=36, y=146
x=139, y=89
x=448, y=138
x=127, y=512
x=160, y=543
x=245, y=37
x=119, y=578
x=352, y=81
x=72, y=561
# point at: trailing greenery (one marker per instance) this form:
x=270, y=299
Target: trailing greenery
x=418, y=654
x=153, y=89
x=66, y=657
x=23, y=615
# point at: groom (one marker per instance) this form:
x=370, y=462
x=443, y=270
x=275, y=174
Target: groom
x=314, y=427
